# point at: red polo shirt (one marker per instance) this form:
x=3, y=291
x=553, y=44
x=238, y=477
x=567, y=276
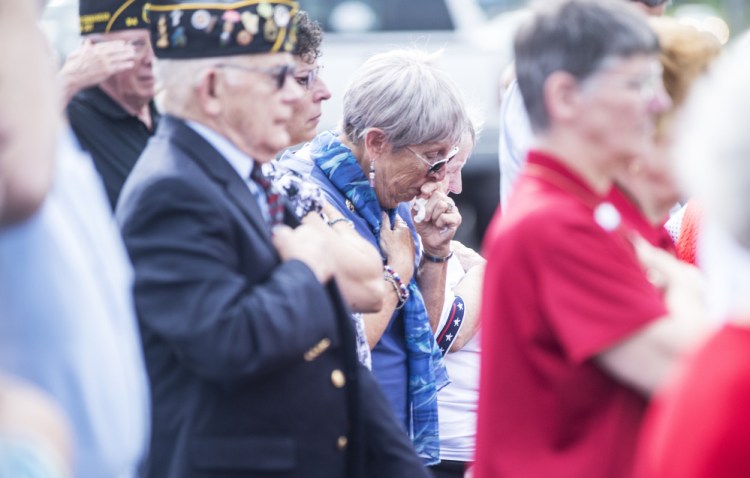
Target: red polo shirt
x=559, y=289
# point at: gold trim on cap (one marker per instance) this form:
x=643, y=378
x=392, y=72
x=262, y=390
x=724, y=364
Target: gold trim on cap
x=219, y=6
x=144, y=13
x=117, y=14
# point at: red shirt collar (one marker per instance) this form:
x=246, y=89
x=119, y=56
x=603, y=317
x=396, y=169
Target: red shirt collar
x=569, y=180
x=636, y=221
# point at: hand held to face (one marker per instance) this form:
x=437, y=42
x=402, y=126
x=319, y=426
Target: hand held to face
x=440, y=222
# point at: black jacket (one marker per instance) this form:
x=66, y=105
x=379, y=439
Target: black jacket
x=251, y=360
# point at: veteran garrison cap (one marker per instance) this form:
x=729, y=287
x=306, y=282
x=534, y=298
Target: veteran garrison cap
x=104, y=16
x=182, y=29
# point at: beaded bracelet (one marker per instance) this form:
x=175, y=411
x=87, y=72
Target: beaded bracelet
x=437, y=259
x=394, y=279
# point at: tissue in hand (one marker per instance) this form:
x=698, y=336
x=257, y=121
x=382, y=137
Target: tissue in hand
x=417, y=204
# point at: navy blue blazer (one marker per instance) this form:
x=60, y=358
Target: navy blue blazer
x=251, y=360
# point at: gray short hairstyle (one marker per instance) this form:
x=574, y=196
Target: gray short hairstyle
x=177, y=80
x=578, y=37
x=406, y=95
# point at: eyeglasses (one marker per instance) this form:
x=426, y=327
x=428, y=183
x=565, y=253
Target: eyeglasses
x=139, y=46
x=308, y=81
x=435, y=166
x=648, y=86
x=278, y=73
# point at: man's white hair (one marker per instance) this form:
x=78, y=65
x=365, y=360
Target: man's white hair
x=177, y=80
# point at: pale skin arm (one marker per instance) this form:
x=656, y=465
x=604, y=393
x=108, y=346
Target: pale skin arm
x=24, y=181
x=398, y=246
x=359, y=271
x=29, y=123
x=647, y=358
x=470, y=290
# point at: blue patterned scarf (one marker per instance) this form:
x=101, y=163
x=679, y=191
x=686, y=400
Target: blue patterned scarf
x=425, y=363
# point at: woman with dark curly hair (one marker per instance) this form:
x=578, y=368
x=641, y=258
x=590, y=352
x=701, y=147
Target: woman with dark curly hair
x=303, y=126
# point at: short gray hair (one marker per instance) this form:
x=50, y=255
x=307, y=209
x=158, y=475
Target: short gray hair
x=175, y=83
x=177, y=80
x=403, y=93
x=577, y=37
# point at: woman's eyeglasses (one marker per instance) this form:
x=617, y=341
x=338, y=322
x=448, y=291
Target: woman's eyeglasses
x=308, y=80
x=435, y=166
x=278, y=73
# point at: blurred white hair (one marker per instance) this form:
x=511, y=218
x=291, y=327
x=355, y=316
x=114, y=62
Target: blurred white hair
x=713, y=143
x=177, y=80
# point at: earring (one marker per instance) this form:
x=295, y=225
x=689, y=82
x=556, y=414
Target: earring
x=635, y=167
x=372, y=174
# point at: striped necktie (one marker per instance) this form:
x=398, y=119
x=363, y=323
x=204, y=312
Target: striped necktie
x=273, y=198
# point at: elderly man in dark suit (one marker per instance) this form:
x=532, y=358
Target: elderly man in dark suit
x=249, y=349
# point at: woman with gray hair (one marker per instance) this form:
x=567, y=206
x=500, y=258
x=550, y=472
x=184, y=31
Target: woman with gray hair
x=403, y=119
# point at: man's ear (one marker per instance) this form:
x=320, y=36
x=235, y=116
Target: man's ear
x=209, y=90
x=561, y=96
x=375, y=142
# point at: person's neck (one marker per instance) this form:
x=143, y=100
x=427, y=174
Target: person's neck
x=641, y=194
x=218, y=126
x=579, y=156
x=135, y=106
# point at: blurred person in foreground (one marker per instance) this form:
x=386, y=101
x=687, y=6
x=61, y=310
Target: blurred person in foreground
x=689, y=53
x=67, y=323
x=458, y=336
x=114, y=117
x=646, y=190
x=402, y=121
x=249, y=347
x=28, y=125
x=699, y=426
x=575, y=335
x=358, y=269
x=515, y=131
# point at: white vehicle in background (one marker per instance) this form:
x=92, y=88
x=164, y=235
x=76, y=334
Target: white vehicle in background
x=60, y=24
x=475, y=37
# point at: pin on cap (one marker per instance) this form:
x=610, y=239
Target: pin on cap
x=250, y=22
x=187, y=29
x=200, y=19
